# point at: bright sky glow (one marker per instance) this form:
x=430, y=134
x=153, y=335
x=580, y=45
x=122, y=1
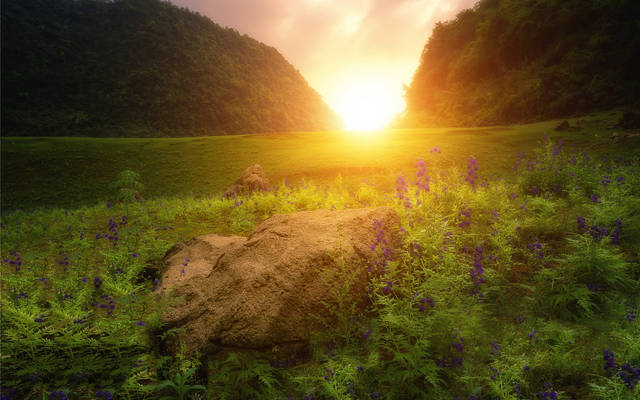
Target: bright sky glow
x=355, y=53
x=366, y=105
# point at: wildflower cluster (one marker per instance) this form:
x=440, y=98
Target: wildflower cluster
x=456, y=359
x=465, y=217
x=630, y=375
x=472, y=172
x=423, y=302
x=107, y=304
x=15, y=260
x=113, y=236
x=582, y=224
x=547, y=395
x=495, y=349
x=402, y=187
x=476, y=271
x=520, y=157
x=423, y=179
x=382, y=245
x=104, y=394
x=630, y=315
x=536, y=249
x=615, y=234
x=599, y=232
x=58, y=395
x=533, y=337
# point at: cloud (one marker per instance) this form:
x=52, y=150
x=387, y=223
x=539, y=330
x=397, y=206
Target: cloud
x=333, y=42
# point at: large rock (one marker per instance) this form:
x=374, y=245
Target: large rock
x=264, y=290
x=253, y=179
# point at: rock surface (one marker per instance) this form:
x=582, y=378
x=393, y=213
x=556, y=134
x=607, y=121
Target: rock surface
x=264, y=290
x=253, y=179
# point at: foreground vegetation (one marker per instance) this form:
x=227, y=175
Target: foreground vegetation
x=519, y=287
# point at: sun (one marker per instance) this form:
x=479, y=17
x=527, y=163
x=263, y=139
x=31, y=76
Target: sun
x=368, y=106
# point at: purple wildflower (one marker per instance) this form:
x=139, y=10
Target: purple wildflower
x=610, y=364
x=105, y=394
x=536, y=249
x=615, y=235
x=423, y=178
x=58, y=394
x=582, y=224
x=472, y=172
x=388, y=287
x=597, y=233
x=476, y=271
x=535, y=191
x=401, y=187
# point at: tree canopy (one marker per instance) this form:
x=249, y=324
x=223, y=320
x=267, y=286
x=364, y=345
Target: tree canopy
x=143, y=68
x=510, y=61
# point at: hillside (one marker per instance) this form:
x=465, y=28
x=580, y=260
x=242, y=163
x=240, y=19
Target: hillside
x=143, y=68
x=510, y=61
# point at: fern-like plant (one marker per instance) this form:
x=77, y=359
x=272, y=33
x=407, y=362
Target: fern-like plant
x=127, y=185
x=179, y=385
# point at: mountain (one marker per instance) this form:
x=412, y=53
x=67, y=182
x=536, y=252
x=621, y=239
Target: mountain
x=508, y=61
x=143, y=68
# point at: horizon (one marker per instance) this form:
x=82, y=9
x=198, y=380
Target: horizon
x=363, y=82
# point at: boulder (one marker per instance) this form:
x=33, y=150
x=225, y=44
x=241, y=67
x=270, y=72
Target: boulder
x=270, y=289
x=252, y=179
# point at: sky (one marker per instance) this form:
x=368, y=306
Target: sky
x=356, y=53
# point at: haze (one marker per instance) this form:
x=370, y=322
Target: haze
x=355, y=53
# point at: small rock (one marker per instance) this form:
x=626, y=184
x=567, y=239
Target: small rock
x=252, y=179
x=562, y=126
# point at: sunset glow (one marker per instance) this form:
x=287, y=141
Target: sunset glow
x=355, y=53
x=367, y=105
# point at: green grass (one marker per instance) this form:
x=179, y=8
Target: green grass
x=538, y=265
x=69, y=172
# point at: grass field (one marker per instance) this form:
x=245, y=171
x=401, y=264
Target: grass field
x=69, y=172
x=511, y=283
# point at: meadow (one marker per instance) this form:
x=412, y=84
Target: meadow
x=518, y=277
x=72, y=172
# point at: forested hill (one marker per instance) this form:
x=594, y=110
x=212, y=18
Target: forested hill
x=521, y=60
x=143, y=68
